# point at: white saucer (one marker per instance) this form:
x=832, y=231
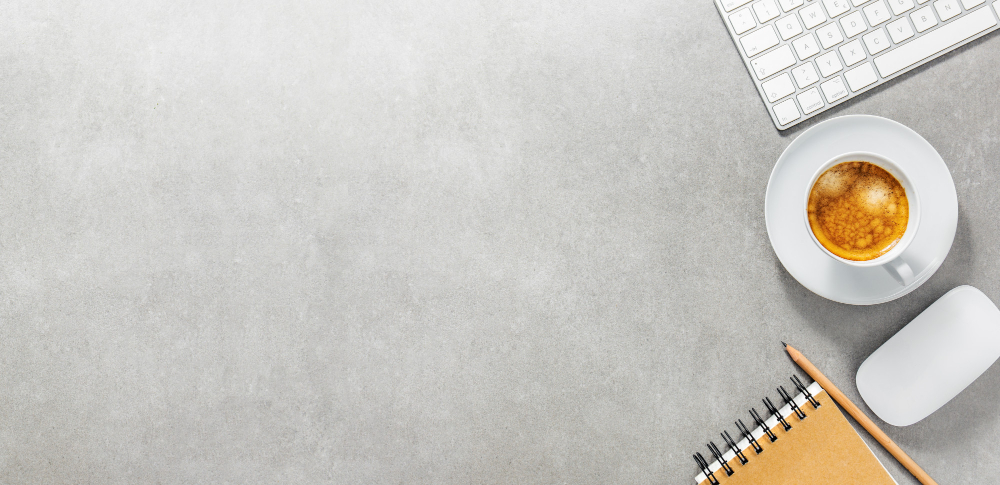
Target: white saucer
x=788, y=231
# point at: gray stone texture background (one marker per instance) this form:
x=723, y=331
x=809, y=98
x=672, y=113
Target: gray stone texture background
x=425, y=242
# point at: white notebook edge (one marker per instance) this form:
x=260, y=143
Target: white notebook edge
x=758, y=433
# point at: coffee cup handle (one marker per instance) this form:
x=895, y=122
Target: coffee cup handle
x=900, y=271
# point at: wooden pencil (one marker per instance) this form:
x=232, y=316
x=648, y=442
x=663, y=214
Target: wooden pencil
x=859, y=416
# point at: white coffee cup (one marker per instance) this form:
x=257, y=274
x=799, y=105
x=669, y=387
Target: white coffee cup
x=893, y=261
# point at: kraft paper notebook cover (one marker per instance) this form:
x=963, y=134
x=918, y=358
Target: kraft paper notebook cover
x=821, y=448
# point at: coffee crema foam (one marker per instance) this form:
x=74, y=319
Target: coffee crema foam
x=858, y=211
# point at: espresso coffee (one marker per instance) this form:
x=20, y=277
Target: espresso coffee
x=858, y=210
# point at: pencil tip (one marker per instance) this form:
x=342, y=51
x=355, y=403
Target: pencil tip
x=783, y=344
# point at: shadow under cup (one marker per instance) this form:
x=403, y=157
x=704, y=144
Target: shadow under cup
x=892, y=260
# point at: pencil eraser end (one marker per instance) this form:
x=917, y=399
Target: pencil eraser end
x=933, y=358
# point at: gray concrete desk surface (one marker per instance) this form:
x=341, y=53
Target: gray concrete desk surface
x=425, y=242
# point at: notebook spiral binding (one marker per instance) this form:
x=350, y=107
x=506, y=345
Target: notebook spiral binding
x=748, y=436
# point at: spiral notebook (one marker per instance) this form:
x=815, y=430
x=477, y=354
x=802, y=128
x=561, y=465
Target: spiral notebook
x=808, y=440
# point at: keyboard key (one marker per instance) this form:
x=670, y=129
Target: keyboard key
x=742, y=21
x=923, y=19
x=789, y=27
x=834, y=89
x=786, y=112
x=858, y=3
x=772, y=62
x=778, y=87
x=900, y=30
x=900, y=6
x=787, y=5
x=852, y=53
x=810, y=101
x=861, y=76
x=947, y=9
x=729, y=5
x=759, y=41
x=996, y=6
x=806, y=46
x=923, y=47
x=805, y=75
x=829, y=64
x=968, y=4
x=766, y=10
x=853, y=24
x=878, y=13
x=836, y=7
x=876, y=41
x=829, y=35
x=812, y=15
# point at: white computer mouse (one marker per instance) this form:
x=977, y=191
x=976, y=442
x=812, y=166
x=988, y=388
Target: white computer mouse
x=932, y=358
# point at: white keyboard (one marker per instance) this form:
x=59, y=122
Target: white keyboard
x=807, y=56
